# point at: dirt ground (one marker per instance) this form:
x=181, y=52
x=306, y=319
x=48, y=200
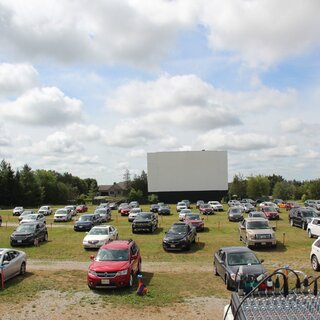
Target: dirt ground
x=55, y=305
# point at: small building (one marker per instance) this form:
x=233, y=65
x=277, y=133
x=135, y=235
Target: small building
x=113, y=190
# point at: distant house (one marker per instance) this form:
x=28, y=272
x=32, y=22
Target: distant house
x=113, y=190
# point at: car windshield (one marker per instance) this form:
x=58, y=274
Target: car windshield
x=112, y=255
x=26, y=228
x=242, y=258
x=205, y=206
x=100, y=211
x=193, y=217
x=308, y=214
x=257, y=215
x=98, y=231
x=144, y=216
x=43, y=208
x=178, y=228
x=85, y=218
x=258, y=225
x=61, y=211
x=31, y=217
x=235, y=210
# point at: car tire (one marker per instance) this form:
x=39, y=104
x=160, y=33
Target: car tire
x=227, y=282
x=304, y=226
x=315, y=263
x=45, y=238
x=291, y=223
x=188, y=247
x=131, y=280
x=310, y=235
x=133, y=231
x=215, y=270
x=22, y=268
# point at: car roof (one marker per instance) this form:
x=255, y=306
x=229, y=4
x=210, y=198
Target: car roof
x=118, y=244
x=255, y=219
x=235, y=249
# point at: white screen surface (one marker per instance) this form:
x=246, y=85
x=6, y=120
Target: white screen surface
x=187, y=171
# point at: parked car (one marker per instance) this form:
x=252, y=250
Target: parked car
x=290, y=205
x=183, y=213
x=81, y=208
x=313, y=228
x=25, y=213
x=62, y=214
x=122, y=205
x=216, y=205
x=13, y=263
x=17, y=211
x=145, y=222
x=232, y=203
x=269, y=204
x=199, y=203
x=270, y=213
x=248, y=200
x=45, y=210
x=180, y=236
x=248, y=207
x=315, y=255
x=310, y=203
x=196, y=220
x=104, y=213
x=133, y=213
x=113, y=206
x=72, y=209
x=300, y=217
x=257, y=232
x=86, y=222
x=29, y=234
x=187, y=202
x=134, y=204
x=35, y=217
x=235, y=214
x=124, y=211
x=231, y=263
x=257, y=214
x=154, y=207
x=99, y=236
x=280, y=203
x=181, y=205
x=164, y=210
x=115, y=265
x=206, y=209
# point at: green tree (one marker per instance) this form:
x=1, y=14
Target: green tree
x=283, y=190
x=127, y=179
x=258, y=186
x=273, y=180
x=8, y=186
x=135, y=194
x=238, y=187
x=141, y=183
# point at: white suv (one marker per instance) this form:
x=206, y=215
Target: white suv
x=216, y=205
x=315, y=255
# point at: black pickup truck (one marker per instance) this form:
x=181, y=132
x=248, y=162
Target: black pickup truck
x=145, y=222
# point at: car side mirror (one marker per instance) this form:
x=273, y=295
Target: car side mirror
x=262, y=260
x=274, y=228
x=92, y=257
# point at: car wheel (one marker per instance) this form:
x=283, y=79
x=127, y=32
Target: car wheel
x=194, y=240
x=215, y=270
x=227, y=282
x=45, y=237
x=188, y=247
x=310, y=235
x=117, y=237
x=23, y=268
x=304, y=226
x=315, y=263
x=131, y=280
x=133, y=231
x=291, y=222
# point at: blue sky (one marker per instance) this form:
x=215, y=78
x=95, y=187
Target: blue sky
x=91, y=87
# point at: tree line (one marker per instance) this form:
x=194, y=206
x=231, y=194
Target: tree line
x=260, y=187
x=32, y=188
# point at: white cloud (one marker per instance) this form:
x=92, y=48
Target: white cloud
x=291, y=125
x=221, y=140
x=43, y=107
x=138, y=153
x=87, y=132
x=262, y=32
x=16, y=78
x=312, y=154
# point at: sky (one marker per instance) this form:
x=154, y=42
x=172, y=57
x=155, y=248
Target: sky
x=90, y=87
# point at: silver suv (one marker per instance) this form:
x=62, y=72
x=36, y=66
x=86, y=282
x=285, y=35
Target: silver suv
x=257, y=232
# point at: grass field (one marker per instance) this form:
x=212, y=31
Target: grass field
x=293, y=249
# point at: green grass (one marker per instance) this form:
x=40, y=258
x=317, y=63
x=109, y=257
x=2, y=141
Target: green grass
x=165, y=287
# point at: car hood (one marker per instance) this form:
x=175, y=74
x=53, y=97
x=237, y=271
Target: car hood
x=174, y=236
x=249, y=269
x=97, y=237
x=108, y=266
x=22, y=233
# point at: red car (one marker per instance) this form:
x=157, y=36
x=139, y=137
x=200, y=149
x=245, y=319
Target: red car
x=82, y=208
x=206, y=209
x=195, y=220
x=115, y=265
x=270, y=213
x=125, y=211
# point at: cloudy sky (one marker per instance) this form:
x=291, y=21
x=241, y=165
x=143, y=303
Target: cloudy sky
x=89, y=87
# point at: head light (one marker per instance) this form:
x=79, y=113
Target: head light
x=122, y=272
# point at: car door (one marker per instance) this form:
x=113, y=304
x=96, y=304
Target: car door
x=298, y=219
x=220, y=263
x=112, y=232
x=133, y=257
x=8, y=270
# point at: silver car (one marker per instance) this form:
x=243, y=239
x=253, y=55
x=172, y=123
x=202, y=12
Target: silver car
x=13, y=262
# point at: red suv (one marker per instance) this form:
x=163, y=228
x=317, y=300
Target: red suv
x=115, y=265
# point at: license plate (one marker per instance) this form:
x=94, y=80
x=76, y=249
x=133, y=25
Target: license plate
x=173, y=246
x=19, y=241
x=105, y=281
x=263, y=243
x=80, y=227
